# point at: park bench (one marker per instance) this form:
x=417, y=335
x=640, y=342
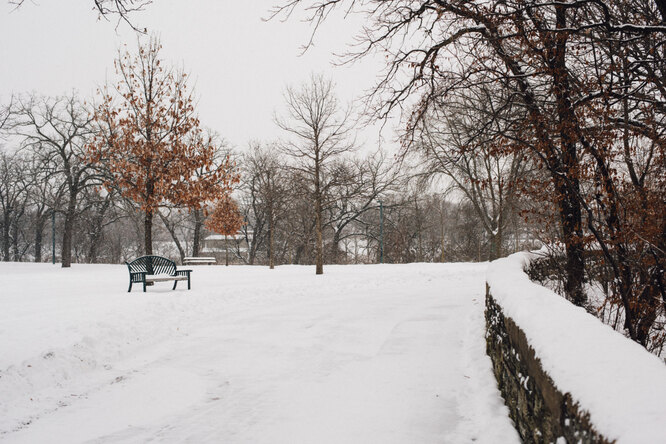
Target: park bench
x=150, y=269
x=199, y=260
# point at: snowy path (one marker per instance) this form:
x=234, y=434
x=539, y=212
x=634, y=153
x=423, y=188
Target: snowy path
x=362, y=354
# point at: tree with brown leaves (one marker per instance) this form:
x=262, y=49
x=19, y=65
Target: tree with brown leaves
x=226, y=219
x=149, y=137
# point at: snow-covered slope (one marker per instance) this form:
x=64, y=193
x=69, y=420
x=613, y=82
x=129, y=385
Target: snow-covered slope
x=362, y=354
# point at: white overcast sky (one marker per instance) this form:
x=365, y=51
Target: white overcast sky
x=239, y=63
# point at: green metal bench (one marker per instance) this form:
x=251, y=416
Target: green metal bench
x=150, y=269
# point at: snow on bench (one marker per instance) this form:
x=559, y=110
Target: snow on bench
x=199, y=260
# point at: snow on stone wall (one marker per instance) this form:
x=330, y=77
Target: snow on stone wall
x=576, y=377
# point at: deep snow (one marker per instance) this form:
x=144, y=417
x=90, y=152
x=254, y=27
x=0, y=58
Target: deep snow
x=362, y=354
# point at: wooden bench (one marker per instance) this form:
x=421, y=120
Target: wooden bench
x=150, y=269
x=199, y=260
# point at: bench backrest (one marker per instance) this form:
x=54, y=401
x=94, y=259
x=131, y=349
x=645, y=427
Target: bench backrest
x=152, y=265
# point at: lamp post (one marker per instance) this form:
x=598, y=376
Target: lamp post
x=381, y=232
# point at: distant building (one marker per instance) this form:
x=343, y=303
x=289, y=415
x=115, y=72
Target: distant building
x=216, y=245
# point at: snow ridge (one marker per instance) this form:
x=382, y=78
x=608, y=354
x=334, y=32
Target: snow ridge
x=617, y=381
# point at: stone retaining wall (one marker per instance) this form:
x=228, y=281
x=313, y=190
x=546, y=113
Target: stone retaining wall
x=540, y=411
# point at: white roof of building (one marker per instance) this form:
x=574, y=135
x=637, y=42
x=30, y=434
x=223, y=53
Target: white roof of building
x=237, y=236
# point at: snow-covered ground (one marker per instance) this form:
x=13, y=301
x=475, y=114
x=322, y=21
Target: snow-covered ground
x=362, y=354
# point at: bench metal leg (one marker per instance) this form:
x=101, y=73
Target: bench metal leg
x=130, y=287
x=174, y=285
x=144, y=286
x=188, y=281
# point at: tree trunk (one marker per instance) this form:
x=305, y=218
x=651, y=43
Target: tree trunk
x=38, y=244
x=335, y=247
x=492, y=251
x=570, y=207
x=198, y=225
x=226, y=251
x=419, y=237
x=252, y=248
x=97, y=228
x=172, y=231
x=271, y=254
x=39, y=236
x=68, y=228
x=148, y=214
x=93, y=250
x=296, y=257
x=5, y=236
x=319, y=246
x=148, y=232
x=15, y=235
x=441, y=215
x=570, y=216
x=495, y=250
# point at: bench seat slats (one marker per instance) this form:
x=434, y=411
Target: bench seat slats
x=165, y=278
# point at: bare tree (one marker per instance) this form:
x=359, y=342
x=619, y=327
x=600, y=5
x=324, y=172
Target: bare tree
x=356, y=188
x=297, y=229
x=463, y=137
x=173, y=219
x=45, y=197
x=319, y=131
x=5, y=113
x=57, y=129
x=13, y=197
x=121, y=9
x=267, y=191
x=100, y=210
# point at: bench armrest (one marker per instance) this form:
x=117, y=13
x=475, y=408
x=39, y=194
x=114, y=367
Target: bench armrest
x=138, y=276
